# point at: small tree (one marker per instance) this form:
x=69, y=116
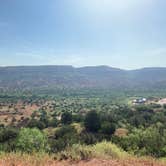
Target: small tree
x=44, y=118
x=53, y=122
x=92, y=121
x=66, y=118
x=108, y=128
x=31, y=140
x=64, y=137
x=7, y=134
x=164, y=106
x=33, y=123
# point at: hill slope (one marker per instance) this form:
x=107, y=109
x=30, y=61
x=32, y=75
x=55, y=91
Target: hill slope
x=48, y=77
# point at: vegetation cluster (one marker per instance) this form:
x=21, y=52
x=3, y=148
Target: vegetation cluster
x=82, y=127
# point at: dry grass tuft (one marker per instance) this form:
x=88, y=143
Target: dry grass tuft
x=18, y=159
x=101, y=154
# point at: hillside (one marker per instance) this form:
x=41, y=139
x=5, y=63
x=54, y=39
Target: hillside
x=52, y=77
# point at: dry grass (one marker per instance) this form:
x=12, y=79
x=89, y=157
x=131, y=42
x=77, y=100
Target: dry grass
x=18, y=159
x=121, y=132
x=101, y=154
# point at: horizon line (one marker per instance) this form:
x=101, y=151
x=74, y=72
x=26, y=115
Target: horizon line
x=146, y=67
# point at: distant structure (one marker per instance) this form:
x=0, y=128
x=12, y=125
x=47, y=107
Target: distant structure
x=139, y=101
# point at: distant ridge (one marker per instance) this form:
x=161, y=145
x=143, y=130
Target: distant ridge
x=63, y=76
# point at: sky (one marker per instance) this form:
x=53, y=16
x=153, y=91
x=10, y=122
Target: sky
x=126, y=34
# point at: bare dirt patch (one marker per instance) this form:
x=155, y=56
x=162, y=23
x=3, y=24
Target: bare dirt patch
x=162, y=101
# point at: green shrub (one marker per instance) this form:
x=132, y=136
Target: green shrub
x=7, y=134
x=66, y=118
x=77, y=152
x=150, y=141
x=108, y=128
x=108, y=149
x=33, y=123
x=64, y=137
x=100, y=150
x=7, y=139
x=31, y=140
x=92, y=121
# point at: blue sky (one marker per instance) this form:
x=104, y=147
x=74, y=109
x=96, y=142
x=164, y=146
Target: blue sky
x=127, y=34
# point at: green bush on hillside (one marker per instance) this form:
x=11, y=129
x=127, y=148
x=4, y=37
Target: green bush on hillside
x=100, y=150
x=31, y=140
